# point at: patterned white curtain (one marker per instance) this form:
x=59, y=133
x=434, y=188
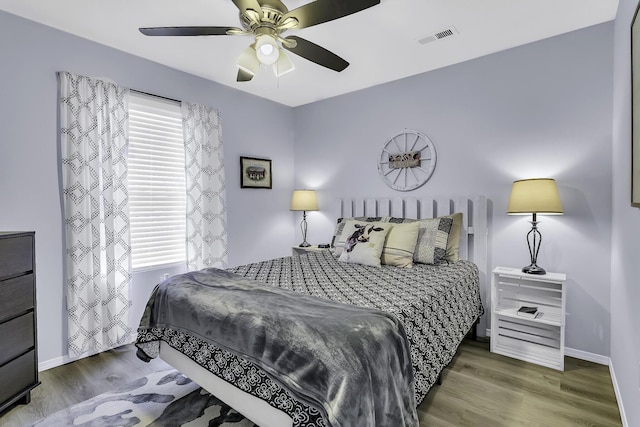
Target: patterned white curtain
x=206, y=200
x=94, y=139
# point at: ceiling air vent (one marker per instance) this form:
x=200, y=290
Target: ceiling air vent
x=447, y=32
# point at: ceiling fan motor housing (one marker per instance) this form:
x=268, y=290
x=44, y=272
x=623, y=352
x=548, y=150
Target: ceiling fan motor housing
x=271, y=17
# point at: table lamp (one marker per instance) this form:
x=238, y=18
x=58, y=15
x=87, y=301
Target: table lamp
x=534, y=196
x=304, y=200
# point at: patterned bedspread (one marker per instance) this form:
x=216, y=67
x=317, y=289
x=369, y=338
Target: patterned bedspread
x=436, y=304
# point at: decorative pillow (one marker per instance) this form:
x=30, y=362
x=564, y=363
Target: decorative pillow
x=453, y=244
x=364, y=242
x=400, y=244
x=336, y=242
x=431, y=247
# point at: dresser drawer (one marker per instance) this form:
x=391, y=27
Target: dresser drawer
x=16, y=296
x=16, y=255
x=17, y=376
x=16, y=337
x=18, y=343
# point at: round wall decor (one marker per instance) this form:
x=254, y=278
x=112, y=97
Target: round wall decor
x=407, y=160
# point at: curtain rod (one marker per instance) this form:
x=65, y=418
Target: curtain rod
x=157, y=96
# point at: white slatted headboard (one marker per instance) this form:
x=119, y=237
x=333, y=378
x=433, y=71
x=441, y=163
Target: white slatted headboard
x=473, y=236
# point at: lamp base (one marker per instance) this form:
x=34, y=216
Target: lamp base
x=304, y=244
x=533, y=269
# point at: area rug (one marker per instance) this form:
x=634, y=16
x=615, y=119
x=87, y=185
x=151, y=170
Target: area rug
x=161, y=399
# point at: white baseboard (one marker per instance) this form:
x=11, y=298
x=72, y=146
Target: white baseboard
x=623, y=416
x=63, y=360
x=585, y=355
x=52, y=363
x=579, y=354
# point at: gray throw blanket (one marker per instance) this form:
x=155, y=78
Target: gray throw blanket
x=351, y=363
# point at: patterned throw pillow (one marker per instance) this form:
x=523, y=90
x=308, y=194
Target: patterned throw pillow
x=431, y=247
x=364, y=242
x=400, y=244
x=336, y=242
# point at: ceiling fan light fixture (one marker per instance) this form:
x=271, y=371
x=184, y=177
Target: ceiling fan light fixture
x=248, y=61
x=284, y=65
x=267, y=49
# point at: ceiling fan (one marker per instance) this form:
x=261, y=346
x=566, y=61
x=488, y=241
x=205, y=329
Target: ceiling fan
x=266, y=20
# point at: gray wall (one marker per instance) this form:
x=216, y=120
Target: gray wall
x=625, y=251
x=259, y=222
x=541, y=110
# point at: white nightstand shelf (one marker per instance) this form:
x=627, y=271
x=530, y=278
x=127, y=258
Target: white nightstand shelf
x=539, y=340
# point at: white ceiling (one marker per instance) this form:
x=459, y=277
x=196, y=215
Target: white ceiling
x=381, y=43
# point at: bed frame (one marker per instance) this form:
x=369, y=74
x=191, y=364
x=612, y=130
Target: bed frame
x=473, y=247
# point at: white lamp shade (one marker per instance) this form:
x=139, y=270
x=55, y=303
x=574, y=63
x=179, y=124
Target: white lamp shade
x=267, y=49
x=284, y=64
x=248, y=61
x=304, y=200
x=539, y=195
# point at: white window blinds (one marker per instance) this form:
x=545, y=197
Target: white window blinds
x=157, y=191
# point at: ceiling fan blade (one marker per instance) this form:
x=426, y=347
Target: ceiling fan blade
x=320, y=11
x=243, y=5
x=315, y=53
x=188, y=31
x=243, y=76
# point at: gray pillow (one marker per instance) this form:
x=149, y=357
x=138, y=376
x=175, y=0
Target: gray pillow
x=431, y=247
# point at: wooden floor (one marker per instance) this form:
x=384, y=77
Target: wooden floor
x=478, y=389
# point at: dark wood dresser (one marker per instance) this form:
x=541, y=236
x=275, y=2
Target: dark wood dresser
x=18, y=340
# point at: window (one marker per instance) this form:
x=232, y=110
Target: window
x=157, y=191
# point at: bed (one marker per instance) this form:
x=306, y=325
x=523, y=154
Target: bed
x=436, y=306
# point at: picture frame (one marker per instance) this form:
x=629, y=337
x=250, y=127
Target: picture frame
x=635, y=110
x=255, y=173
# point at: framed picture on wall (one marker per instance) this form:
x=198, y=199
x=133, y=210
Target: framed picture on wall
x=635, y=110
x=255, y=173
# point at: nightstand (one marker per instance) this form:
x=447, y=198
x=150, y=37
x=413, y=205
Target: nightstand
x=299, y=250
x=538, y=340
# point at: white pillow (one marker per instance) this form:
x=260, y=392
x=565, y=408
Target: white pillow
x=364, y=242
x=337, y=242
